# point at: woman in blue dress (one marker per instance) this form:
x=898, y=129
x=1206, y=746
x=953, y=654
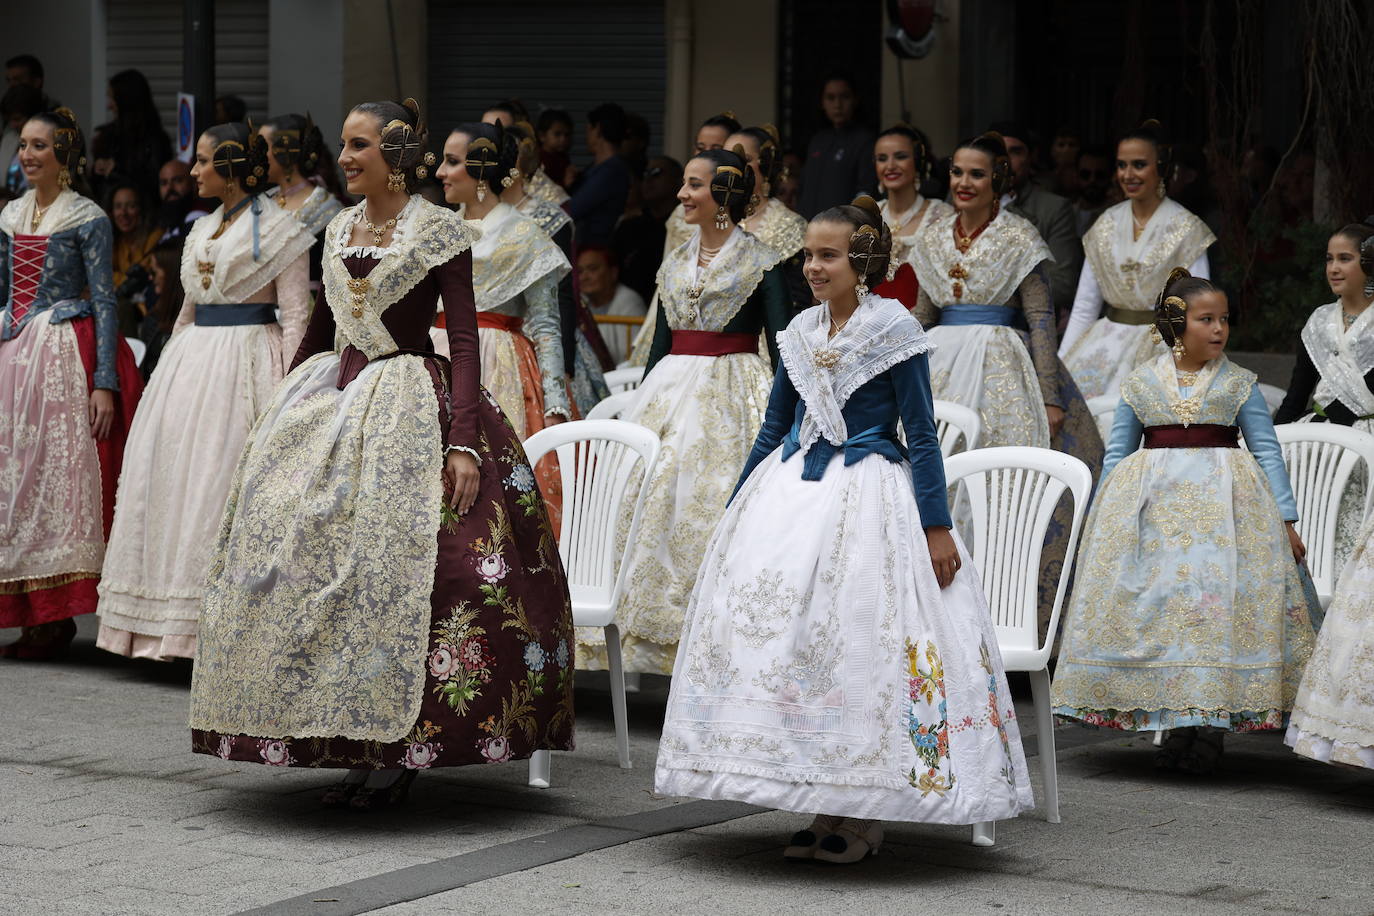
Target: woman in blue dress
x=1189, y=612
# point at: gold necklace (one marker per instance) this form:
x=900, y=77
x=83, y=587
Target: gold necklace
x=835, y=329
x=378, y=233
x=38, y=214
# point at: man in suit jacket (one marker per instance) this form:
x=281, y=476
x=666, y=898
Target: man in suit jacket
x=1053, y=216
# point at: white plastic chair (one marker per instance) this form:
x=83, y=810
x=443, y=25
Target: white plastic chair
x=612, y=407
x=1012, y=493
x=139, y=347
x=954, y=422
x=1273, y=396
x=1103, y=409
x=599, y=461
x=1321, y=457
x=619, y=380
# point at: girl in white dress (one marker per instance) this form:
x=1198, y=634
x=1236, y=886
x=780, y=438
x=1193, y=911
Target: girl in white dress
x=838, y=657
x=1333, y=719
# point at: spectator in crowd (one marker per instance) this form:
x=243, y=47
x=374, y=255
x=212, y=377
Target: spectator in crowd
x=134, y=239
x=598, y=198
x=598, y=278
x=839, y=160
x=27, y=70
x=1052, y=216
x=24, y=70
x=635, y=149
x=555, y=139
x=163, y=306
x=133, y=145
x=714, y=131
x=20, y=102
x=506, y=112
x=1095, y=170
x=179, y=207
x=638, y=240
x=1062, y=176
x=230, y=109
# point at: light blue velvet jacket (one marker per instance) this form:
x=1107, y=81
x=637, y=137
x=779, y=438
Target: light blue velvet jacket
x=78, y=259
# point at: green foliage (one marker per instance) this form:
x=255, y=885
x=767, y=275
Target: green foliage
x=1283, y=289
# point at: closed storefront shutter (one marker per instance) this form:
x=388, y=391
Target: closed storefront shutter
x=570, y=55
x=147, y=35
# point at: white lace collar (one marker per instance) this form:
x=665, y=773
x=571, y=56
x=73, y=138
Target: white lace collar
x=233, y=274
x=67, y=211
x=826, y=371
x=344, y=232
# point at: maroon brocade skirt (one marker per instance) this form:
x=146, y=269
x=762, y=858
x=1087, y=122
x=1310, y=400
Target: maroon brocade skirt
x=499, y=675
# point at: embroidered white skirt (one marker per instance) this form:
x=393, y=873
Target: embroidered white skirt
x=707, y=410
x=1333, y=717
x=823, y=670
x=1107, y=353
x=987, y=368
x=184, y=445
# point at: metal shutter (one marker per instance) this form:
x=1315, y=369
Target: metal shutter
x=146, y=35
x=572, y=55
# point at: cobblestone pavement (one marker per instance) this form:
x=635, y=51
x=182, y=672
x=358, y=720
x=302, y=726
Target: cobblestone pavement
x=105, y=810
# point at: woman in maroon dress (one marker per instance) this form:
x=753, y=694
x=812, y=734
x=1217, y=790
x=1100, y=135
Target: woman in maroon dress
x=386, y=594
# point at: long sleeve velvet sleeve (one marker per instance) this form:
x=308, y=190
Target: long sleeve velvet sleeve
x=777, y=308
x=777, y=420
x=1258, y=429
x=319, y=332
x=460, y=311
x=4, y=270
x=567, y=304
x=1300, y=387
x=97, y=253
x=1124, y=439
x=663, y=340
x=1034, y=292
x=545, y=331
x=911, y=383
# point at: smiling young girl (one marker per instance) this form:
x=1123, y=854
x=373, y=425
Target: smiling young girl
x=838, y=657
x=1188, y=613
x=704, y=394
x=1333, y=720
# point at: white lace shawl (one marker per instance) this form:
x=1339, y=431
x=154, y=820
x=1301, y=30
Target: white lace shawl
x=281, y=240
x=425, y=236
x=512, y=254
x=880, y=334
x=1008, y=249
x=1342, y=357
x=1132, y=271
x=726, y=284
x=68, y=211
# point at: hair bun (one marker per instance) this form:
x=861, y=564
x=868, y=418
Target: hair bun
x=869, y=206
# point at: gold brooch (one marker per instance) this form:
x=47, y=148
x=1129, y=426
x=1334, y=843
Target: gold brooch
x=206, y=268
x=826, y=359
x=357, y=288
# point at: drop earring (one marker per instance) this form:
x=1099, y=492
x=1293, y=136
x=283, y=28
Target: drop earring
x=1160, y=189
x=1179, y=350
x=860, y=289
x=481, y=190
x=396, y=180
x=64, y=178
x=722, y=217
